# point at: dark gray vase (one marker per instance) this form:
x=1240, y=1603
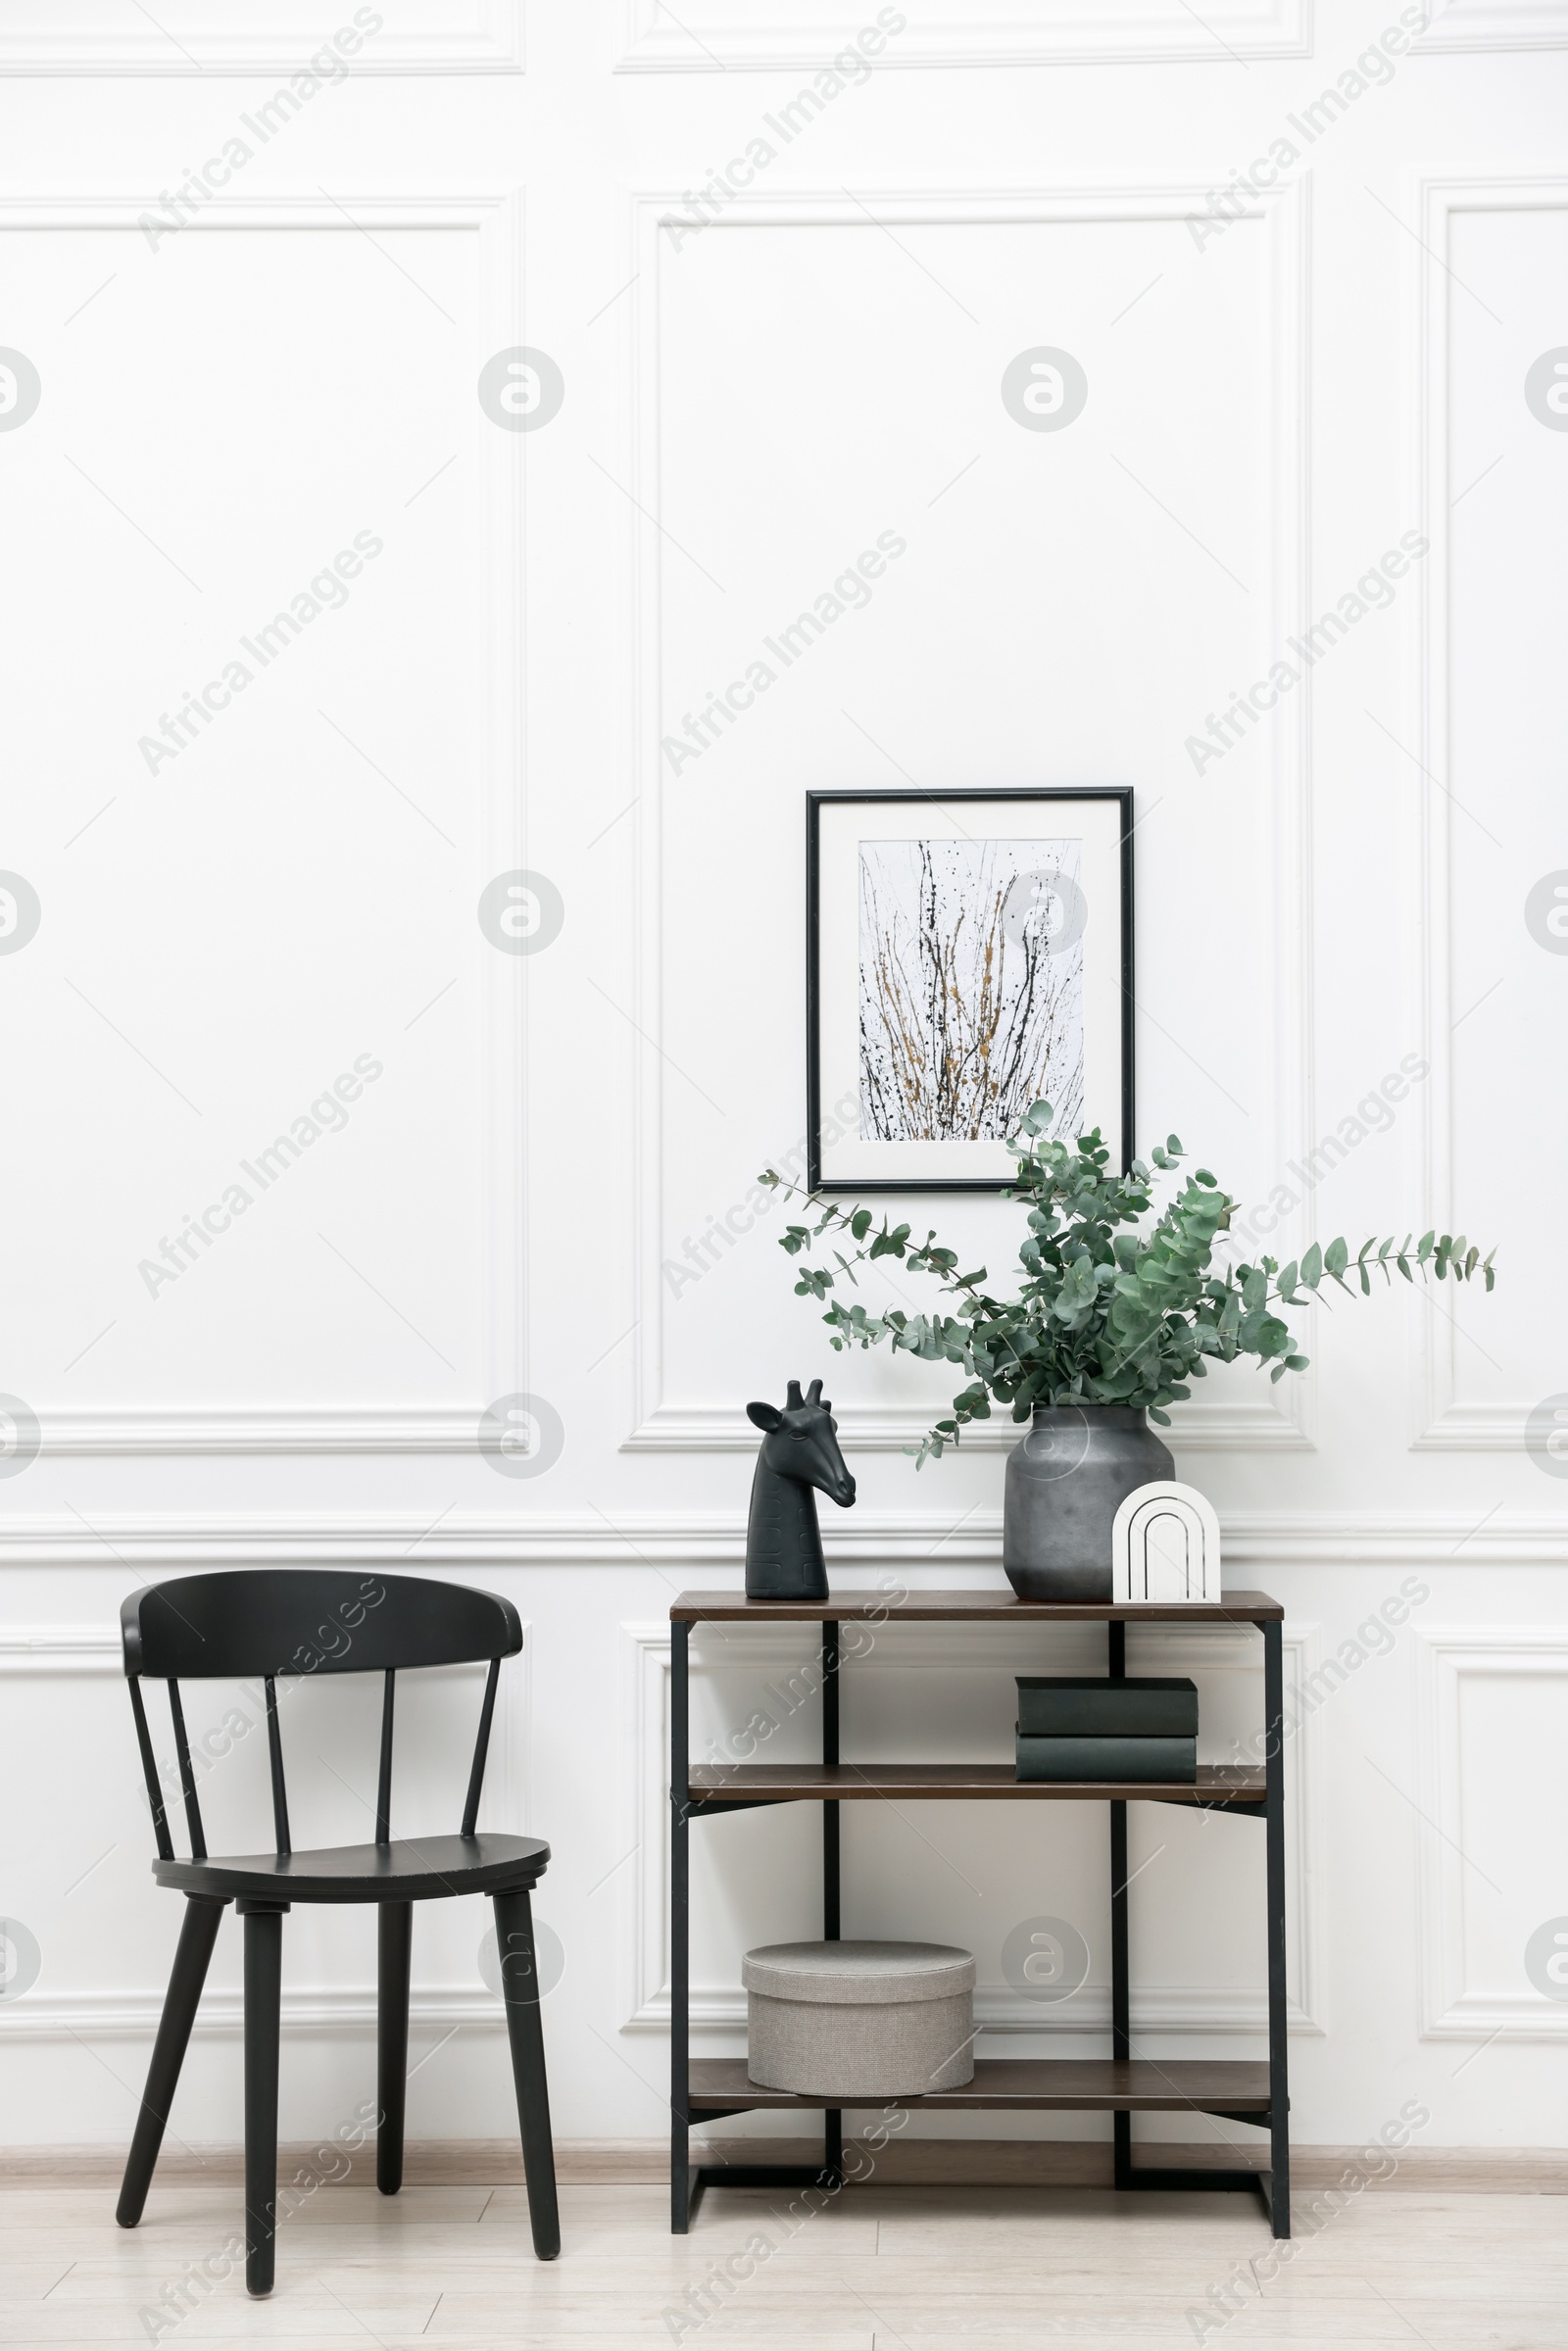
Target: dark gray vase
x=1065, y=1483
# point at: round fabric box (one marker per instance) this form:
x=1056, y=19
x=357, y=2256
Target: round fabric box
x=860, y=2020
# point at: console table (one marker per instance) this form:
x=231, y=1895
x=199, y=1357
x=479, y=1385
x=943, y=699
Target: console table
x=705, y=2089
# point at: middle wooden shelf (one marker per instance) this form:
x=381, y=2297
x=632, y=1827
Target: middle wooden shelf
x=1221, y=1787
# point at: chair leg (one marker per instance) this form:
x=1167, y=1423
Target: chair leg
x=197, y=1935
x=263, y=1984
x=394, y=1942
x=519, y=1983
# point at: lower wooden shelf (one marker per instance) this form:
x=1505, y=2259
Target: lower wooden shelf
x=1072, y=2084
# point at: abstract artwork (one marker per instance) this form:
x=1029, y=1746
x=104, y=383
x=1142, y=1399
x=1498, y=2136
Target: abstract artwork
x=971, y=987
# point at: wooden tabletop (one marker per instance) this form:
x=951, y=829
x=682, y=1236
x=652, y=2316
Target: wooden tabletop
x=814, y=1783
x=969, y=1607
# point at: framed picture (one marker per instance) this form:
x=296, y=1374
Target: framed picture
x=967, y=953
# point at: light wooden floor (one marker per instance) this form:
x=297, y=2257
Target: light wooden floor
x=883, y=2269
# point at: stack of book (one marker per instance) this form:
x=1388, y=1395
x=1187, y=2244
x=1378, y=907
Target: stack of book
x=1071, y=1727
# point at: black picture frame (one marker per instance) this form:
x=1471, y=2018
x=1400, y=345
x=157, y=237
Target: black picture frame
x=815, y=802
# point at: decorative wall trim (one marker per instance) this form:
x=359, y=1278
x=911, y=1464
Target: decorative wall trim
x=1445, y=1420
x=371, y=1430
x=1114, y=33
x=1281, y=1419
x=1472, y=25
x=1174, y=2009
x=933, y=1549
x=315, y=2012
x=495, y=217
x=493, y=45
x=33, y=1649
x=479, y=210
x=1259, y=1426
x=1444, y=1655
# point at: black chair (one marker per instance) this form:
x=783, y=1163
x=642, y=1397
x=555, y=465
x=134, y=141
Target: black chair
x=277, y=1621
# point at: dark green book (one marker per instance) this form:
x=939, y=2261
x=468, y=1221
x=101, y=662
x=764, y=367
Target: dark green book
x=1167, y=1759
x=1080, y=1707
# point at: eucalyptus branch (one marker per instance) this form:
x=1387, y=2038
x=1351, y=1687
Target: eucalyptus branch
x=1103, y=1315
x=888, y=1243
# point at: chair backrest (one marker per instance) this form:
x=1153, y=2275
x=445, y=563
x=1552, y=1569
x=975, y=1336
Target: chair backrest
x=265, y=1622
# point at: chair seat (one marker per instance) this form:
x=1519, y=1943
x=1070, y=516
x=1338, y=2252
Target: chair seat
x=409, y=1870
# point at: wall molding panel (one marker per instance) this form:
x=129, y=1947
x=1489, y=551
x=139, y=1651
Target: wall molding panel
x=1502, y=25
x=1446, y=1657
x=1445, y=1420
x=720, y=35
x=1174, y=2009
x=1277, y=1421
x=487, y=39
x=495, y=218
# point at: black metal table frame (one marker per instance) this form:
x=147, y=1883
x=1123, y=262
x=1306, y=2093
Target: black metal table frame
x=687, y=2181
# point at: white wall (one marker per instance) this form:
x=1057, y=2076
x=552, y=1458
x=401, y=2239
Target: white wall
x=1273, y=403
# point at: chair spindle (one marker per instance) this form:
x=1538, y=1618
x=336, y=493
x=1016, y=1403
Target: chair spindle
x=155, y=1793
x=188, y=1778
x=481, y=1747
x=383, y=1793
x=274, y=1749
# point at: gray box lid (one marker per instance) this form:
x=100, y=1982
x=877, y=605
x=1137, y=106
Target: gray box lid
x=858, y=1975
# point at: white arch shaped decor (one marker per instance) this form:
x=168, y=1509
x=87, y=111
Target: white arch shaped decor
x=1164, y=1546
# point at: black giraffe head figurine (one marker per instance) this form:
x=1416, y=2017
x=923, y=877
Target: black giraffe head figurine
x=799, y=1453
